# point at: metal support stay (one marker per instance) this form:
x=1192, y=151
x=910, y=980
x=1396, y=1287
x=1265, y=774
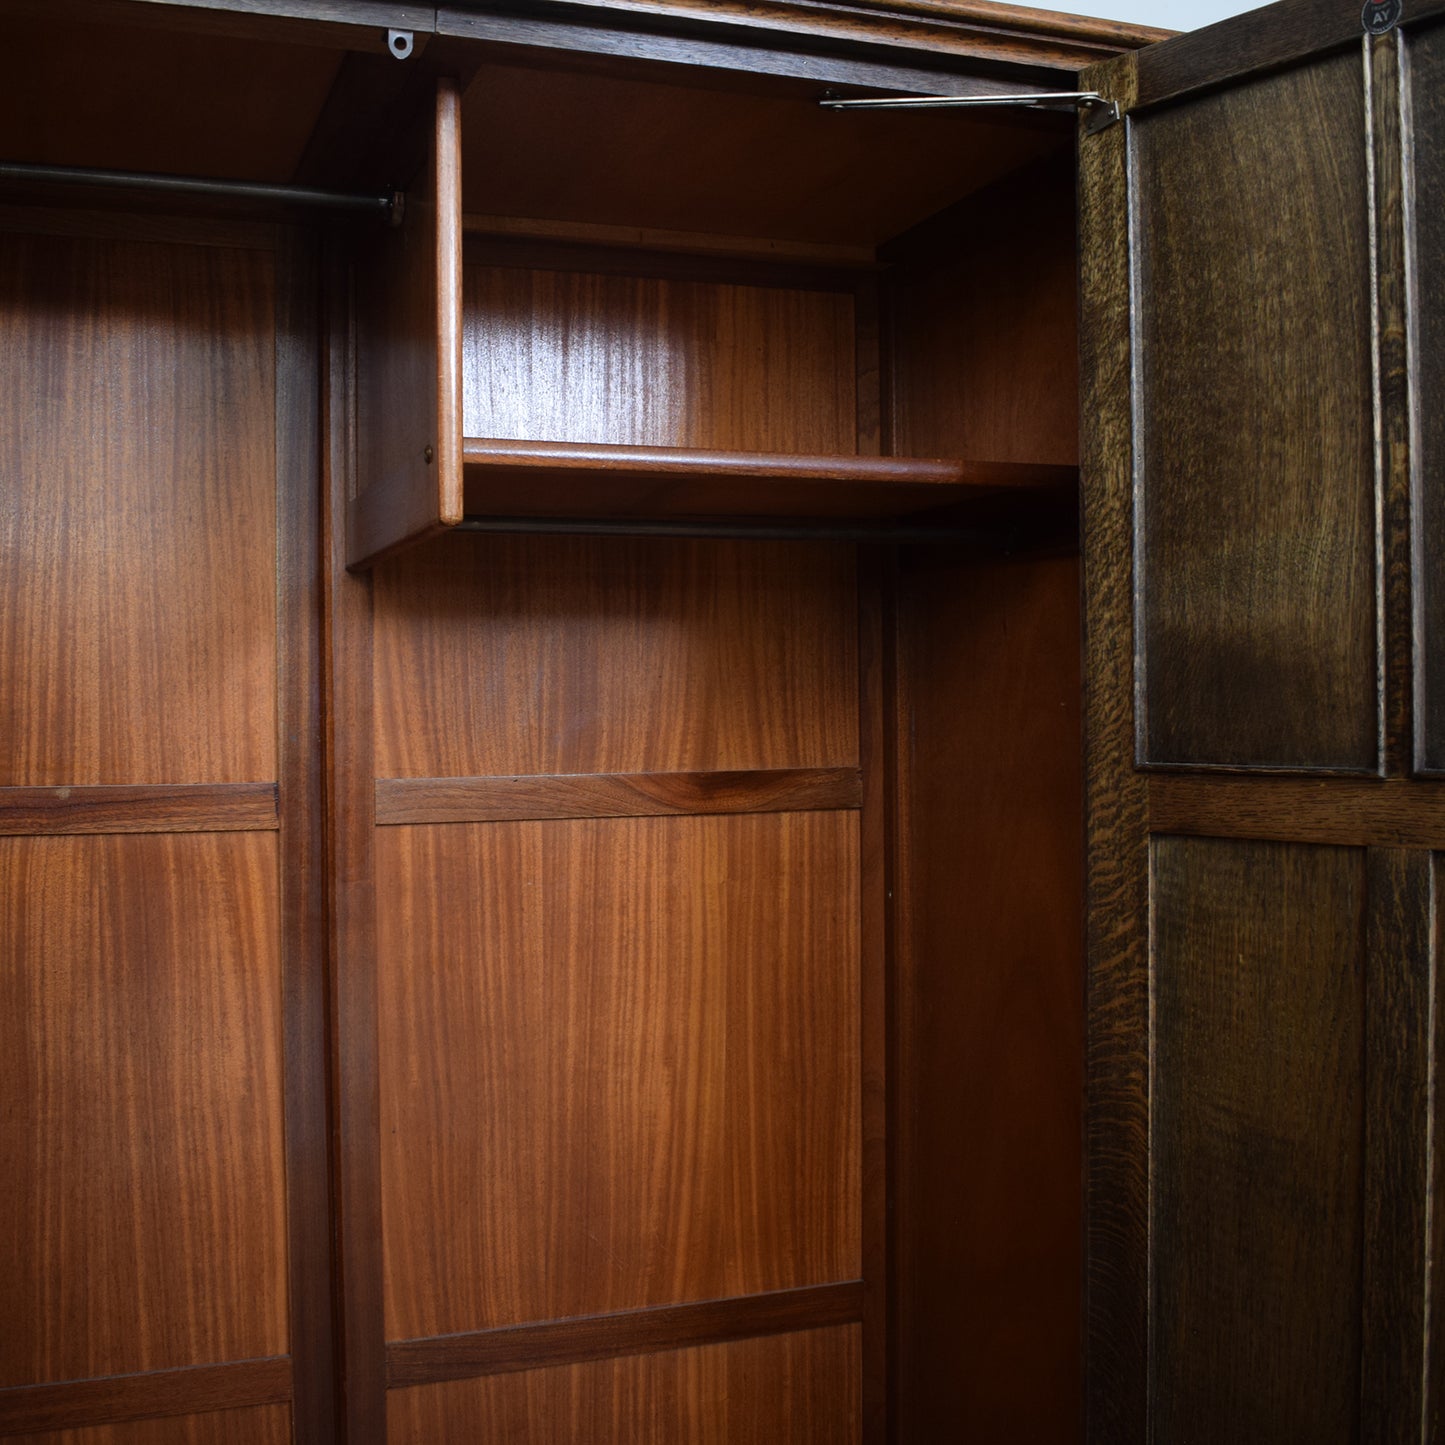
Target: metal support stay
x=1101, y=112
x=389, y=205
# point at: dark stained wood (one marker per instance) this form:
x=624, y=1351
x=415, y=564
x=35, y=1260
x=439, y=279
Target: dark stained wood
x=142, y=1052
x=541, y=479
x=113, y=1400
x=643, y=361
x=1254, y=389
x=793, y=1389
x=408, y=288
x=614, y=795
x=351, y=927
x=1116, y=1129
x=259, y=1425
x=987, y=1176
x=619, y=1064
x=635, y=1332
x=499, y=656
x=1433, y=1413
x=138, y=515
x=1426, y=182
x=301, y=862
x=985, y=326
x=160, y=808
x=1344, y=811
x=1257, y=1121
x=1399, y=994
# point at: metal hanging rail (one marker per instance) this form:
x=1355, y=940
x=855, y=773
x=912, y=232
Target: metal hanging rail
x=1101, y=112
x=389, y=205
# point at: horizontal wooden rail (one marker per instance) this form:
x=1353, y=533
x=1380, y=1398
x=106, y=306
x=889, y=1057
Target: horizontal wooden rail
x=193, y=1390
x=632, y=1332
x=615, y=795
x=141, y=808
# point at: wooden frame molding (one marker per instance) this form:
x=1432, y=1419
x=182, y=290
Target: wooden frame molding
x=630, y=1332
x=158, y=808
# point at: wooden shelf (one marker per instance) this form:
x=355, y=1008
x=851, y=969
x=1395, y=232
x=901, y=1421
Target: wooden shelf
x=508, y=479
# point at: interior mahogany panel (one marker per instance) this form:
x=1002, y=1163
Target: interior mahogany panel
x=619, y=1064
x=1427, y=115
x=138, y=518
x=501, y=655
x=731, y=154
x=985, y=326
x=142, y=1197
x=1254, y=387
x=1257, y=1117
x=800, y=1389
x=987, y=1150
x=648, y=361
x=260, y=1425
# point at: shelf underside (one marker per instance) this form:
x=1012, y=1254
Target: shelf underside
x=510, y=479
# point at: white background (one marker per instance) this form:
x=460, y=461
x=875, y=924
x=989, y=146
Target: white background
x=1171, y=14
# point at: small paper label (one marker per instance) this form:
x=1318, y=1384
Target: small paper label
x=1382, y=16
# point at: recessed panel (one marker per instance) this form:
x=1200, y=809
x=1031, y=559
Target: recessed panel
x=142, y=1191
x=260, y=1425
x=1257, y=1122
x=137, y=513
x=619, y=1064
x=801, y=1389
x=502, y=655
x=645, y=361
x=1426, y=108
x=1253, y=403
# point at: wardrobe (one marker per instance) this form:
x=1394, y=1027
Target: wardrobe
x=689, y=761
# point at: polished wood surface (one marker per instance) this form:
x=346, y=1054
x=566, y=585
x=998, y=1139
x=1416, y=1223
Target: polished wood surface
x=1426, y=104
x=160, y=808
x=501, y=656
x=619, y=1064
x=143, y=1056
x=1257, y=474
x=138, y=443
x=263, y=1425
x=1257, y=1120
x=798, y=1389
x=987, y=1161
x=635, y=1332
x=614, y=795
x=642, y=361
x=75, y=1405
x=985, y=326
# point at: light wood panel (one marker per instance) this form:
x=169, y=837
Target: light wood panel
x=261, y=1425
x=142, y=1198
x=651, y=361
x=619, y=1064
x=1254, y=394
x=138, y=515
x=498, y=656
x=1257, y=1115
x=787, y=1390
x=990, y=1043
x=1426, y=106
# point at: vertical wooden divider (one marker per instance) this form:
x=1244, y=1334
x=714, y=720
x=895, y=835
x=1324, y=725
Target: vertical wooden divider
x=409, y=358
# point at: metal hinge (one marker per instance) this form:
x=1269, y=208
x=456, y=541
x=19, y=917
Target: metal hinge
x=1101, y=113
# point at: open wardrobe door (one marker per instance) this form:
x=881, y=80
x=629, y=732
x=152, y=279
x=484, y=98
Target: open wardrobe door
x=1263, y=234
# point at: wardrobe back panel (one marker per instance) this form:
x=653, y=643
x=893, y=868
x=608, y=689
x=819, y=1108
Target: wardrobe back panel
x=259, y=1425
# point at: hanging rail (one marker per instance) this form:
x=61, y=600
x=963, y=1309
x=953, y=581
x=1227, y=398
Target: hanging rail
x=389, y=205
x=1101, y=112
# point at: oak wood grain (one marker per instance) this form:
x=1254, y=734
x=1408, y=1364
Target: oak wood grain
x=142, y=1183
x=77, y=1404
x=1425, y=180
x=635, y=1332
x=499, y=656
x=619, y=1064
x=138, y=514
x=643, y=361
x=160, y=808
x=1257, y=477
x=1257, y=1120
x=258, y=1425
x=796, y=1389
x=613, y=795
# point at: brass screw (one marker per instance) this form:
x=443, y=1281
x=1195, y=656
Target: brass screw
x=426, y=453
